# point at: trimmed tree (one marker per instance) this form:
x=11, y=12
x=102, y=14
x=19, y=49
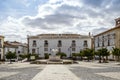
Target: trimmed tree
x=116, y=52
x=88, y=53
x=11, y=55
x=80, y=55
x=61, y=54
x=102, y=53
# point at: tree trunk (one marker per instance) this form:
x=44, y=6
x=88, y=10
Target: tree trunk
x=118, y=58
x=88, y=59
x=106, y=58
x=81, y=58
x=99, y=59
x=10, y=61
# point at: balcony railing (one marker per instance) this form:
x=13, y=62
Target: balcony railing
x=73, y=45
x=85, y=45
x=45, y=45
x=59, y=45
x=34, y=45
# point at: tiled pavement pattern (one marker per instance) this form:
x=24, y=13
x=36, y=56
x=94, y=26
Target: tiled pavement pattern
x=83, y=71
x=19, y=71
x=96, y=71
x=55, y=72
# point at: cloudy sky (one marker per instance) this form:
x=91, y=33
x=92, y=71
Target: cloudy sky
x=19, y=18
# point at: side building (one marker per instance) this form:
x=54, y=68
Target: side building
x=68, y=43
x=108, y=39
x=1, y=47
x=17, y=47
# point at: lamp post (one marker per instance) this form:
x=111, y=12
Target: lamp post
x=70, y=51
x=28, y=43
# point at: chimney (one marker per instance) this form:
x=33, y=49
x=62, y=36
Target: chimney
x=117, y=21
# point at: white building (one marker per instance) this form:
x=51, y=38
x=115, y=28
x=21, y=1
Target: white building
x=67, y=43
x=17, y=47
x=109, y=38
x=1, y=47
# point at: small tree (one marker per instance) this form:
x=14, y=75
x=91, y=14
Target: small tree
x=102, y=53
x=116, y=52
x=22, y=56
x=74, y=56
x=61, y=54
x=28, y=56
x=46, y=56
x=10, y=55
x=88, y=53
x=80, y=55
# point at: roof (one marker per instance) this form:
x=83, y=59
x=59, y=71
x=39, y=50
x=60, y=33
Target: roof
x=14, y=44
x=59, y=36
x=117, y=27
x=6, y=44
x=1, y=36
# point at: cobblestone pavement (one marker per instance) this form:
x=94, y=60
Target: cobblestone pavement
x=19, y=71
x=55, y=72
x=81, y=71
x=96, y=71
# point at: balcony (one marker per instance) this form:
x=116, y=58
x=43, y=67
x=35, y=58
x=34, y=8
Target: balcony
x=59, y=45
x=85, y=45
x=45, y=45
x=73, y=45
x=34, y=45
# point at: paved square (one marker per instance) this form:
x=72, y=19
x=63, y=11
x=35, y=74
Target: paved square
x=81, y=71
x=55, y=72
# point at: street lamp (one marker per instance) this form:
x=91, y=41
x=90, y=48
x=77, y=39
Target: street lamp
x=69, y=49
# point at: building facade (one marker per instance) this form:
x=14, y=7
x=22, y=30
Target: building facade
x=109, y=38
x=67, y=43
x=17, y=47
x=1, y=47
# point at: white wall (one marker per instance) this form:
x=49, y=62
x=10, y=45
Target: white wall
x=112, y=41
x=52, y=44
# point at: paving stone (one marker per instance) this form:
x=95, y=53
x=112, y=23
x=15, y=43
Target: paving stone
x=55, y=72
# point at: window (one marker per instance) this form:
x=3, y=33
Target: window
x=113, y=35
x=98, y=42
x=45, y=43
x=34, y=43
x=59, y=43
x=33, y=50
x=73, y=49
x=18, y=51
x=45, y=49
x=0, y=43
x=102, y=41
x=85, y=43
x=73, y=43
x=108, y=40
x=59, y=50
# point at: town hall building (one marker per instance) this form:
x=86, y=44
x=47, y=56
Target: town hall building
x=67, y=43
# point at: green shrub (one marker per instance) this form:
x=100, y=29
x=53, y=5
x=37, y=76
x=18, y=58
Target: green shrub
x=46, y=55
x=61, y=54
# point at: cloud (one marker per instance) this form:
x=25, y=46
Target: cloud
x=99, y=30
x=57, y=16
x=50, y=22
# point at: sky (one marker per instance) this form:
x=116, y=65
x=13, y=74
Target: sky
x=19, y=18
